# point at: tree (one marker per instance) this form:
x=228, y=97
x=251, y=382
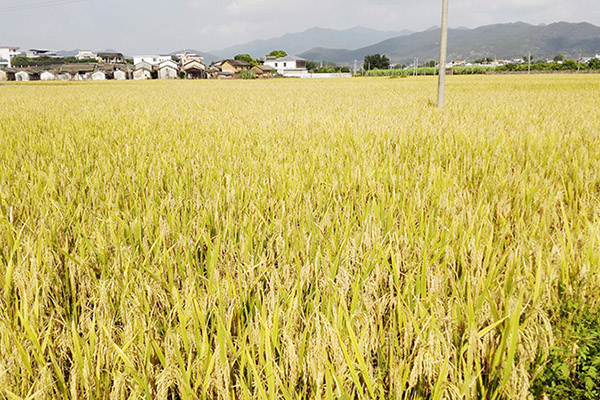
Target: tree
x=247, y=58
x=311, y=66
x=559, y=58
x=376, y=61
x=431, y=64
x=277, y=53
x=594, y=63
x=570, y=65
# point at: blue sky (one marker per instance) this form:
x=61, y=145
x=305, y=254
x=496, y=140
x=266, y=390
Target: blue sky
x=149, y=26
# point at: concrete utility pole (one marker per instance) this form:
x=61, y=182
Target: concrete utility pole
x=443, y=55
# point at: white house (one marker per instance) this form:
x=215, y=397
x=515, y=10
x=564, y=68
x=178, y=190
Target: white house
x=184, y=58
x=6, y=55
x=151, y=59
x=120, y=75
x=47, y=76
x=98, y=76
x=22, y=76
x=194, y=69
x=168, y=70
x=142, y=71
x=85, y=55
x=37, y=53
x=288, y=66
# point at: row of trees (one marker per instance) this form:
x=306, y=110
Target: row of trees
x=253, y=61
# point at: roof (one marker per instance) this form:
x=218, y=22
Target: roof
x=77, y=68
x=168, y=63
x=110, y=55
x=238, y=63
x=291, y=58
x=10, y=47
x=143, y=65
x=194, y=64
x=265, y=68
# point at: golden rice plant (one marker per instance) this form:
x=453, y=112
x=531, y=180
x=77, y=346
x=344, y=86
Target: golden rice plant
x=289, y=239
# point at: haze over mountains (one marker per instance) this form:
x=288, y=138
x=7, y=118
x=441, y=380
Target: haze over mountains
x=502, y=41
x=296, y=43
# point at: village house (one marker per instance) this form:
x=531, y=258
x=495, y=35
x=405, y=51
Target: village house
x=234, y=67
x=185, y=57
x=77, y=72
x=194, y=69
x=38, y=53
x=142, y=71
x=85, y=55
x=120, y=75
x=168, y=70
x=289, y=66
x=47, y=76
x=99, y=76
x=7, y=53
x=22, y=76
x=151, y=59
x=111, y=58
x=264, y=71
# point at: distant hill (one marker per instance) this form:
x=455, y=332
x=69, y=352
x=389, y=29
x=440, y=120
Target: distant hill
x=503, y=41
x=295, y=43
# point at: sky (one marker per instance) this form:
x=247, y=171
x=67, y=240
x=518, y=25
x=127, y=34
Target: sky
x=162, y=26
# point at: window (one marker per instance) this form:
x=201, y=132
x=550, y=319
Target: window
x=284, y=65
x=276, y=65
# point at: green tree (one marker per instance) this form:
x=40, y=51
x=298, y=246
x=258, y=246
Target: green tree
x=570, y=64
x=559, y=57
x=431, y=64
x=311, y=66
x=594, y=63
x=376, y=61
x=247, y=58
x=277, y=53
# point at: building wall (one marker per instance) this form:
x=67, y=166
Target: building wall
x=22, y=76
x=120, y=75
x=142, y=74
x=8, y=54
x=167, y=73
x=47, y=76
x=83, y=55
x=228, y=68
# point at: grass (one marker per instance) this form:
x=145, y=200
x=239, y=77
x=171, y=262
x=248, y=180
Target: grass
x=289, y=239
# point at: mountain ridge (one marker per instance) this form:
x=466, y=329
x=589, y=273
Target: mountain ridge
x=299, y=42
x=500, y=41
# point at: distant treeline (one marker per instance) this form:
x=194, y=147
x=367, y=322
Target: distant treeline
x=538, y=66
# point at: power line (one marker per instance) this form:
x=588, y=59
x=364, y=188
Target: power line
x=39, y=5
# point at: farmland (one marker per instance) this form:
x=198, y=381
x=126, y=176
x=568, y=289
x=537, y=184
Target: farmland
x=291, y=239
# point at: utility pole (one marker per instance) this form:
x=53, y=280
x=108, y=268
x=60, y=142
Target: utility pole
x=443, y=55
x=529, y=64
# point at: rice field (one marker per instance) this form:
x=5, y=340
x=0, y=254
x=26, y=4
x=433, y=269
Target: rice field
x=286, y=239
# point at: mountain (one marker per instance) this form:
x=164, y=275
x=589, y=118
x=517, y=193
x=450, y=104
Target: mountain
x=295, y=43
x=502, y=41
